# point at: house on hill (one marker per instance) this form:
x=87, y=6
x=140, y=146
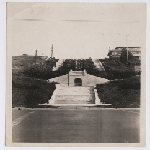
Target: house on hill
x=116, y=53
x=135, y=51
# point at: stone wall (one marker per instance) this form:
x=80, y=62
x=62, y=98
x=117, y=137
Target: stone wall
x=87, y=80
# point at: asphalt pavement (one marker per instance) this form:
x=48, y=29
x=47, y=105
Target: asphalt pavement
x=76, y=125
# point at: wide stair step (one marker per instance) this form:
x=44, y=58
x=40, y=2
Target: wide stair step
x=75, y=95
x=74, y=102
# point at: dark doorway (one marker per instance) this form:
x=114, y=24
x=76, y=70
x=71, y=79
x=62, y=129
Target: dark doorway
x=77, y=82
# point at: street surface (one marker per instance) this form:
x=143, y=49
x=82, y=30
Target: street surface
x=76, y=125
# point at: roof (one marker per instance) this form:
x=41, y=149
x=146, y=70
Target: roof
x=114, y=50
x=120, y=50
x=126, y=47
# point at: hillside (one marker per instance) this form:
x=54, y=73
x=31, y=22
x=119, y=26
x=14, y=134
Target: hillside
x=121, y=93
x=30, y=88
x=30, y=91
x=20, y=63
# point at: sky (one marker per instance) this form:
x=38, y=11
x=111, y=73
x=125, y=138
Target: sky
x=76, y=30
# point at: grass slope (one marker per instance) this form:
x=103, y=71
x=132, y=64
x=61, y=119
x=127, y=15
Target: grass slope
x=121, y=93
x=20, y=63
x=29, y=91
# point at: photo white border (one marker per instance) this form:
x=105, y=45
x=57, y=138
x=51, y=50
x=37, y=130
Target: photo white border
x=3, y=70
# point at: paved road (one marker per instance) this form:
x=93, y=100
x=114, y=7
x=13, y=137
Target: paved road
x=88, y=125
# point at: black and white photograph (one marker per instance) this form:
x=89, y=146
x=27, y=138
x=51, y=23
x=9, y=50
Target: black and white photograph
x=76, y=74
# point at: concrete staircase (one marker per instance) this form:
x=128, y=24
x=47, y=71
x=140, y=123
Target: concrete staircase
x=98, y=64
x=75, y=95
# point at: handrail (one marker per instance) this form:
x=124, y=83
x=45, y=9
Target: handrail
x=52, y=100
x=97, y=100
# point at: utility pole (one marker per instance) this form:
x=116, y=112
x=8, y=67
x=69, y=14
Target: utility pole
x=52, y=51
x=35, y=55
x=127, y=47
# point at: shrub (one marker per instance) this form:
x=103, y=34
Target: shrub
x=131, y=83
x=120, y=93
x=28, y=91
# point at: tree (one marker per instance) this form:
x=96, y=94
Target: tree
x=123, y=58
